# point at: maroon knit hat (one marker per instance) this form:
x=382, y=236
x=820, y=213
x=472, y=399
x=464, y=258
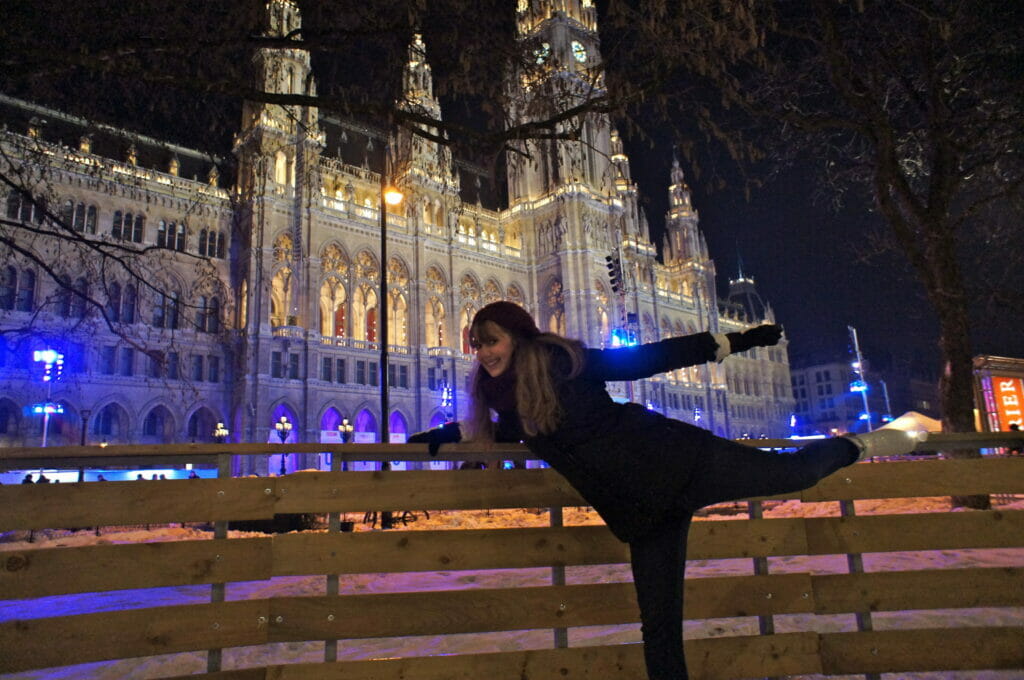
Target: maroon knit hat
x=509, y=316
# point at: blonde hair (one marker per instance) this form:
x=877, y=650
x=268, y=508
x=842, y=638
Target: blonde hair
x=537, y=403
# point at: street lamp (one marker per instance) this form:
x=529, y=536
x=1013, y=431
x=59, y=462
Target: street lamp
x=389, y=195
x=283, y=428
x=220, y=433
x=345, y=430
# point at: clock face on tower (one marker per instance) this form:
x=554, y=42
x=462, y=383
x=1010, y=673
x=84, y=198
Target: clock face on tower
x=542, y=53
x=579, y=52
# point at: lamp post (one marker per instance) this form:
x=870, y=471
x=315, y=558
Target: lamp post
x=283, y=428
x=345, y=430
x=389, y=195
x=85, y=424
x=858, y=366
x=220, y=433
x=53, y=366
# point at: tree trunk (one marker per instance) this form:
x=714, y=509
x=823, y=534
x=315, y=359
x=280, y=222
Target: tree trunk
x=956, y=393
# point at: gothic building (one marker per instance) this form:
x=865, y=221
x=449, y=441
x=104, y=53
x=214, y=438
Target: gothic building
x=267, y=297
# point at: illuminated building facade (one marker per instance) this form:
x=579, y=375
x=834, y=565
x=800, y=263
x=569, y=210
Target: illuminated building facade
x=270, y=287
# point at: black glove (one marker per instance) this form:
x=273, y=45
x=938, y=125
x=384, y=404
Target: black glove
x=449, y=433
x=762, y=336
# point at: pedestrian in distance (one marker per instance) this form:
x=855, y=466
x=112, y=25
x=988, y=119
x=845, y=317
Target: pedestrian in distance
x=27, y=479
x=644, y=473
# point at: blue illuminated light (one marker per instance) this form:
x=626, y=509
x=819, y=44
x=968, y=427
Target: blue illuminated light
x=53, y=363
x=48, y=408
x=622, y=338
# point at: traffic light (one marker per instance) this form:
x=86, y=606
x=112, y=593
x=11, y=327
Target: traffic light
x=614, y=272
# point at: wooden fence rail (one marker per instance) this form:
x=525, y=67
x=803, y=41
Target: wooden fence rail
x=222, y=593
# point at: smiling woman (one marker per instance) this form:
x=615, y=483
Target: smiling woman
x=645, y=474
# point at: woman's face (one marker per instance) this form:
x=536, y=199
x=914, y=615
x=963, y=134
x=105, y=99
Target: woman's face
x=494, y=348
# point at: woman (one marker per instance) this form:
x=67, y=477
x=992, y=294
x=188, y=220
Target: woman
x=645, y=474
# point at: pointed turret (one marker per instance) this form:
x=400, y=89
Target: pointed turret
x=421, y=158
x=683, y=240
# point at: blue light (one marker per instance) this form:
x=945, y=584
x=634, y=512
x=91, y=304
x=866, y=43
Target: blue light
x=858, y=386
x=53, y=363
x=864, y=416
x=622, y=338
x=47, y=408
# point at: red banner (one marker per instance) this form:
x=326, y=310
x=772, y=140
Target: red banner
x=1008, y=395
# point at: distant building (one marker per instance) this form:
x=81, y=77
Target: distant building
x=266, y=304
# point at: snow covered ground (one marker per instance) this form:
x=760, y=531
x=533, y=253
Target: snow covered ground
x=180, y=664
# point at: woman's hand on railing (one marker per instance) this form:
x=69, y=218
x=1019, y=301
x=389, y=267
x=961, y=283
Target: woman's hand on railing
x=449, y=433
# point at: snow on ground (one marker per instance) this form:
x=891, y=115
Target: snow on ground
x=186, y=663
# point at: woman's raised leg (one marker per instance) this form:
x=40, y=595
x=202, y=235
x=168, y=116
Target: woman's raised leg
x=729, y=471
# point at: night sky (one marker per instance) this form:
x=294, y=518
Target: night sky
x=809, y=264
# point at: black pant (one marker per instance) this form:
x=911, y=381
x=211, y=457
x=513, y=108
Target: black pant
x=729, y=471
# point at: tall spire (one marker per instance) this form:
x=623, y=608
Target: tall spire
x=427, y=159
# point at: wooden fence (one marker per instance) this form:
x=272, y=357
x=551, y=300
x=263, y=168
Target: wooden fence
x=337, y=617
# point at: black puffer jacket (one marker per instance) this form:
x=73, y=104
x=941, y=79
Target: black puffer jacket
x=632, y=465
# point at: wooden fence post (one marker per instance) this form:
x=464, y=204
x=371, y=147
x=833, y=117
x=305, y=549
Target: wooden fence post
x=558, y=579
x=855, y=565
x=220, y=532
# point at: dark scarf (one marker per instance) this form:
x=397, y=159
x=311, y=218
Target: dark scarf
x=500, y=392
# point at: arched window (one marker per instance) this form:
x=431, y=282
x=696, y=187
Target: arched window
x=364, y=314
x=138, y=228
x=435, y=319
x=114, y=302
x=67, y=213
x=161, y=234
x=208, y=315
x=13, y=204
x=25, y=301
x=179, y=238
x=22, y=209
x=79, y=307
x=280, y=287
x=165, y=311
x=153, y=425
x=90, y=220
x=332, y=308
x=398, y=319
x=128, y=304
x=117, y=224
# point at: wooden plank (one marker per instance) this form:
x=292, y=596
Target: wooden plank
x=927, y=531
x=262, y=673
x=746, y=538
x=711, y=659
x=11, y=456
x=97, y=568
x=938, y=649
x=480, y=610
x=402, y=551
x=55, y=506
x=42, y=643
x=919, y=589
x=912, y=479
x=423, y=490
